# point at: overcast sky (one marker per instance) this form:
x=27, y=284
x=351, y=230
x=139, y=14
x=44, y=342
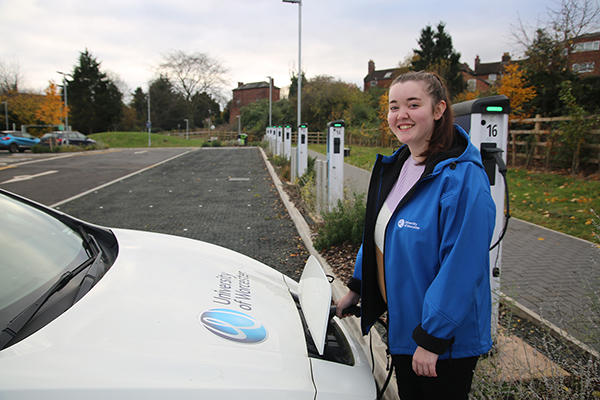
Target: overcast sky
x=252, y=39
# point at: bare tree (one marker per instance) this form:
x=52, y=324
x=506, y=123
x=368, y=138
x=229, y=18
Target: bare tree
x=572, y=18
x=194, y=73
x=10, y=77
x=566, y=20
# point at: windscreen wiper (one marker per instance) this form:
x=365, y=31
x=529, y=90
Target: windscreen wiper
x=16, y=324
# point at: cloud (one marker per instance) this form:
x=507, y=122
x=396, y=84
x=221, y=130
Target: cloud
x=252, y=39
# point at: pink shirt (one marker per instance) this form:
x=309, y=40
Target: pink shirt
x=409, y=175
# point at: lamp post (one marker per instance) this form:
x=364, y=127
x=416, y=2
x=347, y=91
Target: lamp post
x=299, y=2
x=187, y=129
x=270, y=99
x=6, y=113
x=64, y=75
x=149, y=123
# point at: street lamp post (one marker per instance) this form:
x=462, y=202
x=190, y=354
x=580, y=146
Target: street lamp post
x=270, y=100
x=64, y=75
x=6, y=113
x=187, y=129
x=299, y=2
x=149, y=123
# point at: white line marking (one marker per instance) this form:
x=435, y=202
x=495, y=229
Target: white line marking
x=119, y=179
x=20, y=178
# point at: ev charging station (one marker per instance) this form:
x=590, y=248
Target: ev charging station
x=278, y=141
x=486, y=121
x=287, y=142
x=335, y=163
x=302, y=149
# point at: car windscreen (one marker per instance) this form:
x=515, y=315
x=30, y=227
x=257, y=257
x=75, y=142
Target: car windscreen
x=35, y=249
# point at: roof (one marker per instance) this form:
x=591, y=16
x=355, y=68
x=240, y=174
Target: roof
x=254, y=85
x=383, y=74
x=489, y=68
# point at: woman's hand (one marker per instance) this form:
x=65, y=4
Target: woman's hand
x=351, y=298
x=423, y=362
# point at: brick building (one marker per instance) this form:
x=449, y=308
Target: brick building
x=380, y=78
x=584, y=58
x=484, y=75
x=248, y=93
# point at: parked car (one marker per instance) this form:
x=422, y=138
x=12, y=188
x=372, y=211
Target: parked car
x=91, y=312
x=14, y=141
x=67, y=137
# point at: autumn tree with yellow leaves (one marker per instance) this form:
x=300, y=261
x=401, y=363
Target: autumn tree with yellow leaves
x=51, y=110
x=513, y=86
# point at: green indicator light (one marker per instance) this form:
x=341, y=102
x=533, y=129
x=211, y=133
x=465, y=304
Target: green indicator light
x=337, y=125
x=494, y=108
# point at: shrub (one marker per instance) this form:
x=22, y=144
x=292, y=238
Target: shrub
x=344, y=224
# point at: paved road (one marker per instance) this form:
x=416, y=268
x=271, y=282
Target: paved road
x=551, y=274
x=52, y=179
x=223, y=196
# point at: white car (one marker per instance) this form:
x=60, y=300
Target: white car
x=140, y=315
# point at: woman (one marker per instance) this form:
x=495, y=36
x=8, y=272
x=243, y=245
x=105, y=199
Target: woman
x=424, y=257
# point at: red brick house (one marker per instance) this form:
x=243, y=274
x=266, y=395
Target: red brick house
x=248, y=93
x=379, y=78
x=584, y=58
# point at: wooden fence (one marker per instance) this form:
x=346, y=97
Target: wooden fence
x=539, y=141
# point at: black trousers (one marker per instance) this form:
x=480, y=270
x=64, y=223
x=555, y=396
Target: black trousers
x=454, y=377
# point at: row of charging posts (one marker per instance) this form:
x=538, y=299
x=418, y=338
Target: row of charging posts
x=279, y=140
x=486, y=121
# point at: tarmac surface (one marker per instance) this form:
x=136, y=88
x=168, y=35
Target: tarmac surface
x=550, y=276
x=224, y=196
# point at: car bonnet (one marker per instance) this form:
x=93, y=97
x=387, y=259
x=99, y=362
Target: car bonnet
x=171, y=313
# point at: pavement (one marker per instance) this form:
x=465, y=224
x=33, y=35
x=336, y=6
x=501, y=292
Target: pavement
x=549, y=276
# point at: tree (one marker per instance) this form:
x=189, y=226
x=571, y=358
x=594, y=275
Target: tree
x=204, y=108
x=195, y=73
x=167, y=106
x=22, y=108
x=545, y=68
x=575, y=130
x=96, y=102
x=139, y=103
x=513, y=86
x=51, y=110
x=325, y=99
x=10, y=78
x=437, y=54
x=293, y=92
x=567, y=20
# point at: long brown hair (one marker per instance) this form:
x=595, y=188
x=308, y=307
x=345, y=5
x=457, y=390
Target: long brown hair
x=443, y=130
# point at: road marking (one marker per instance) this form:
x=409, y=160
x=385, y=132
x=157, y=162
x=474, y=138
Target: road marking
x=118, y=179
x=140, y=152
x=20, y=178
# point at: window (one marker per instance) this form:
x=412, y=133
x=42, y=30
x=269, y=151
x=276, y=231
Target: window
x=387, y=75
x=492, y=78
x=471, y=85
x=581, y=68
x=586, y=46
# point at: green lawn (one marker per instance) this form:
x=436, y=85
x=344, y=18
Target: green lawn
x=140, y=139
x=556, y=201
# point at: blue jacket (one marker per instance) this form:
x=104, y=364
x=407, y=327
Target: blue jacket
x=436, y=255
